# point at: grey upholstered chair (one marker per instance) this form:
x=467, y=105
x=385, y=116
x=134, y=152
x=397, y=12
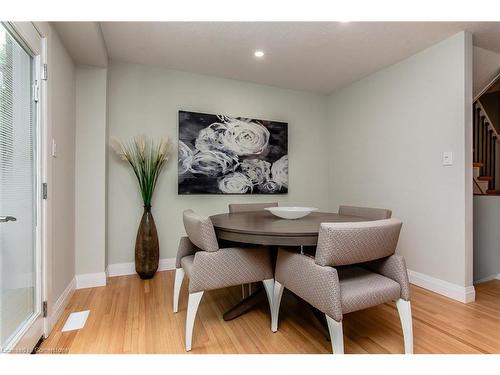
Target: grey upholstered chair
x=246, y=290
x=366, y=212
x=247, y=207
x=209, y=267
x=331, y=283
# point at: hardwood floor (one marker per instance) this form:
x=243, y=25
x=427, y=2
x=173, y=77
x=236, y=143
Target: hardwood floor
x=130, y=315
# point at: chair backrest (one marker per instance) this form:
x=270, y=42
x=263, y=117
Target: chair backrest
x=341, y=244
x=247, y=207
x=366, y=212
x=200, y=231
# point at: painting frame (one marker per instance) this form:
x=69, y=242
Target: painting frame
x=221, y=154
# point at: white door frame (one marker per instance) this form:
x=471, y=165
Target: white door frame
x=26, y=339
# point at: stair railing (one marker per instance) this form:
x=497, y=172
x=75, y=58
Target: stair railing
x=485, y=142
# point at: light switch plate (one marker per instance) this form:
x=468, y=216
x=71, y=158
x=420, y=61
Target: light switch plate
x=448, y=158
x=54, y=148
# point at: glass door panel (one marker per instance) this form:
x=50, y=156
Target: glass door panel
x=17, y=188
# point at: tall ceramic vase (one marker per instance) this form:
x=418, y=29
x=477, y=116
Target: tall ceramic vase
x=147, y=248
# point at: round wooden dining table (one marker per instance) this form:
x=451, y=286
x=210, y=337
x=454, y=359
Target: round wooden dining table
x=263, y=228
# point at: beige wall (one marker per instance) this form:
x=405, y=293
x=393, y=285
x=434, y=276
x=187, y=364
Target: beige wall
x=62, y=102
x=145, y=99
x=486, y=67
x=90, y=167
x=378, y=142
x=486, y=237
x=388, y=133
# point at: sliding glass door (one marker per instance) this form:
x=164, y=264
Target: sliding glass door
x=20, y=262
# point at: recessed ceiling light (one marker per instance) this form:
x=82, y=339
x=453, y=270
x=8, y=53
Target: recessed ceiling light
x=258, y=53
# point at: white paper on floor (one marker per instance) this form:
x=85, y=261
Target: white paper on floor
x=76, y=320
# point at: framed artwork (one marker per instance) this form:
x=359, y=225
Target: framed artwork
x=220, y=154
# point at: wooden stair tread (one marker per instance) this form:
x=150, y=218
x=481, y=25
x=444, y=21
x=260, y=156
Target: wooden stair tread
x=493, y=192
x=485, y=178
x=477, y=165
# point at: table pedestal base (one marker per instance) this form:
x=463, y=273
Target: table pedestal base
x=246, y=304
x=259, y=297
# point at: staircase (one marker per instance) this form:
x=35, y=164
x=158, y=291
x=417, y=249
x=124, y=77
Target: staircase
x=485, y=141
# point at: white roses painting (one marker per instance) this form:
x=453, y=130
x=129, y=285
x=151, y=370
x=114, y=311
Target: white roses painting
x=231, y=155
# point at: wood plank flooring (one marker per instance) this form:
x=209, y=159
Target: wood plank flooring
x=130, y=315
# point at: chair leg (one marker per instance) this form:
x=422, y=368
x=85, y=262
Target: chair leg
x=179, y=276
x=246, y=290
x=269, y=288
x=404, y=310
x=193, y=303
x=336, y=335
x=278, y=293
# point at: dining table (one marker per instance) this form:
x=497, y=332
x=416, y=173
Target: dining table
x=263, y=228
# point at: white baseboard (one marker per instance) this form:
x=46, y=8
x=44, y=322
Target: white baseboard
x=123, y=269
x=61, y=303
x=120, y=269
x=167, y=264
x=445, y=288
x=90, y=280
x=488, y=278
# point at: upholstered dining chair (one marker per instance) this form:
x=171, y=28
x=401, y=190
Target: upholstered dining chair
x=209, y=267
x=246, y=290
x=366, y=212
x=354, y=268
x=248, y=207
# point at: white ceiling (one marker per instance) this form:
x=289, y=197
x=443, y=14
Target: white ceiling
x=319, y=56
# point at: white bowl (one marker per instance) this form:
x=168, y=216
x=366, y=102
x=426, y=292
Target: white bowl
x=291, y=212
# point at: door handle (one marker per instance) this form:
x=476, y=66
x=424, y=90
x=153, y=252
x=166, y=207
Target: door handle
x=5, y=219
